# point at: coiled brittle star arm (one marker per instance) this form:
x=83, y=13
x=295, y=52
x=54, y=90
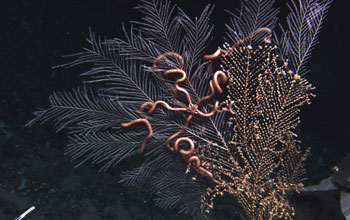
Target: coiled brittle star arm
x=189, y=152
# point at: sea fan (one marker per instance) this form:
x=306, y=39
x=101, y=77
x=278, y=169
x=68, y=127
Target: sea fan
x=203, y=132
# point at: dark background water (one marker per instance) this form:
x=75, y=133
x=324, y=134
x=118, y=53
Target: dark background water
x=33, y=170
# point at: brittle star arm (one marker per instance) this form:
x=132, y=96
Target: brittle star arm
x=220, y=51
x=267, y=39
x=153, y=106
x=207, y=115
x=183, y=152
x=183, y=78
x=167, y=143
x=214, y=85
x=149, y=127
x=223, y=80
x=212, y=93
x=188, y=152
x=178, y=57
x=202, y=170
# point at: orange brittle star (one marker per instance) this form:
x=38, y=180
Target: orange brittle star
x=219, y=77
x=192, y=108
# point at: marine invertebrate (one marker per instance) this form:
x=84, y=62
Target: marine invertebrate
x=235, y=124
x=191, y=108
